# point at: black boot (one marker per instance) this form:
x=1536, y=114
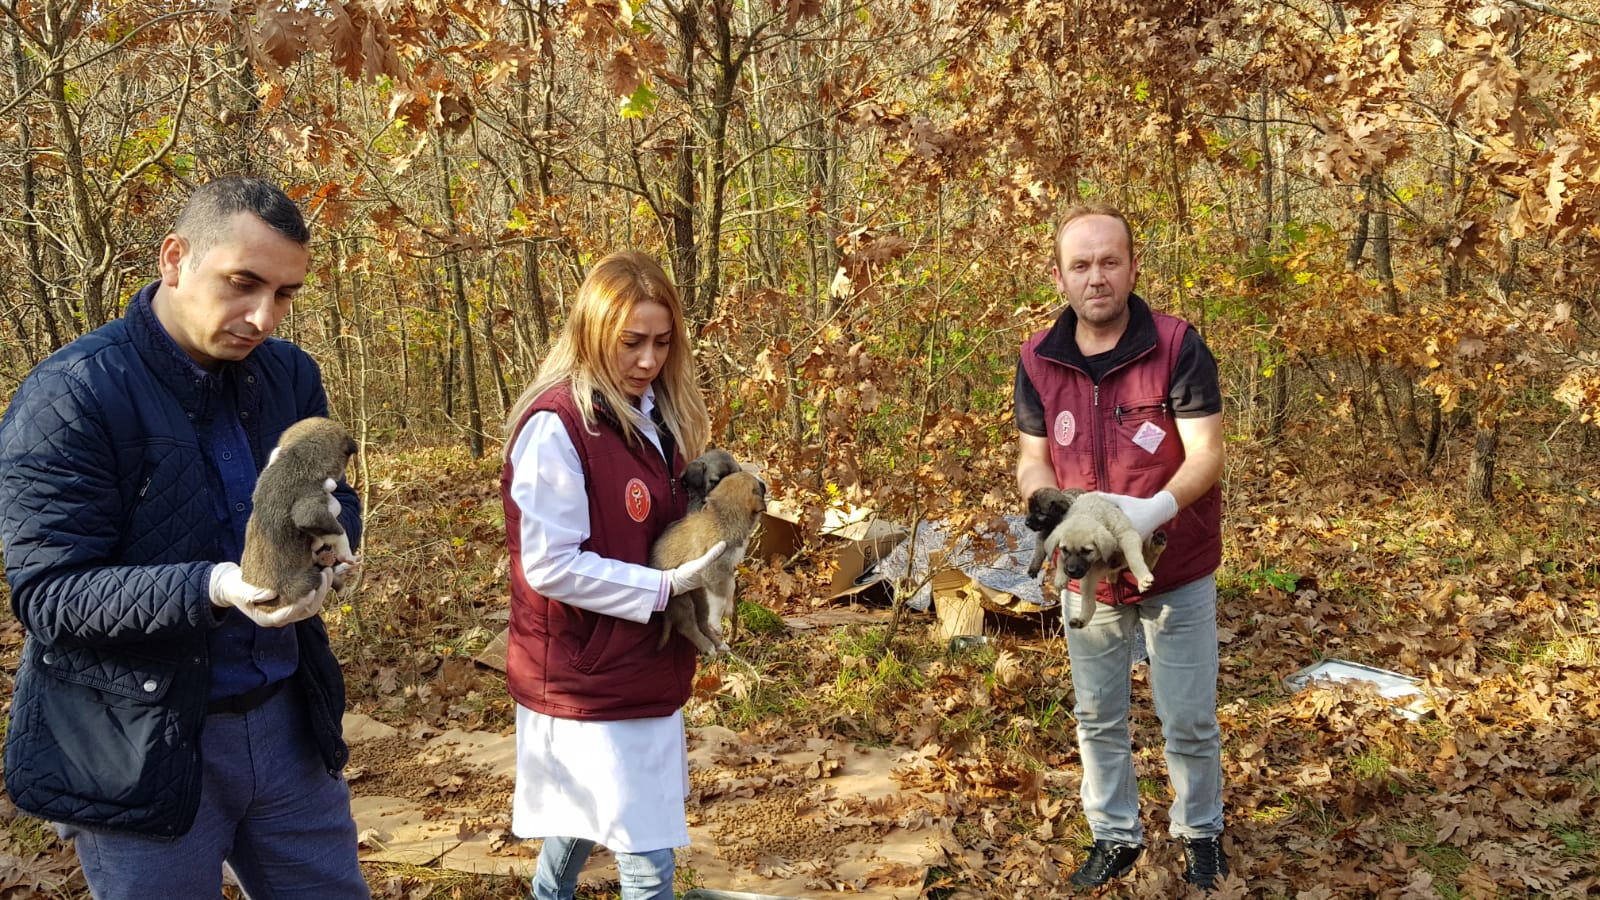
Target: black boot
x=1107, y=860
x=1203, y=861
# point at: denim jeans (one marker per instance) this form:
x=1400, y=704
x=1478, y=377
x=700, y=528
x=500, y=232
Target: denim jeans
x=267, y=805
x=644, y=876
x=1180, y=631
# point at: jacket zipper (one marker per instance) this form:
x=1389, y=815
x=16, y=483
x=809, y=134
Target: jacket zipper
x=1102, y=473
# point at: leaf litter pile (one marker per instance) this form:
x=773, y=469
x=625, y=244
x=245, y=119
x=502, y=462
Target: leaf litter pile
x=1329, y=793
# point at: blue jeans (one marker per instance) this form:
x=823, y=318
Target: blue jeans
x=644, y=876
x=267, y=806
x=1180, y=631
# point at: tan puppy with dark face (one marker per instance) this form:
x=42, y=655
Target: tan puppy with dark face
x=293, y=517
x=731, y=513
x=1096, y=540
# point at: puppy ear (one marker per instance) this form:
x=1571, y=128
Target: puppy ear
x=1106, y=544
x=693, y=478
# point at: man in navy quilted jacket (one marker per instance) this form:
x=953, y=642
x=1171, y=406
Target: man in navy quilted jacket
x=160, y=717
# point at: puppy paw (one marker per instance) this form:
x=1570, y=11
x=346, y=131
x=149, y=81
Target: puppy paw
x=1145, y=582
x=1076, y=623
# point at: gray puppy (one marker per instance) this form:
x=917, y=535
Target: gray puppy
x=702, y=474
x=291, y=519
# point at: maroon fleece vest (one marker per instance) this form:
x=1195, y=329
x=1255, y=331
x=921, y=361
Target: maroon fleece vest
x=1122, y=438
x=572, y=663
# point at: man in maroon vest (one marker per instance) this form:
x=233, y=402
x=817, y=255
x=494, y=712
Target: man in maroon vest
x=1120, y=399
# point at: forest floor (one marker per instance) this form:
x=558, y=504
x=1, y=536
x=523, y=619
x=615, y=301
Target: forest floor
x=1494, y=793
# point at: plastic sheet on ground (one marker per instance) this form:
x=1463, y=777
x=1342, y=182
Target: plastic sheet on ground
x=995, y=560
x=984, y=558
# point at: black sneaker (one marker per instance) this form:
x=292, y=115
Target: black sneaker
x=1107, y=860
x=1203, y=861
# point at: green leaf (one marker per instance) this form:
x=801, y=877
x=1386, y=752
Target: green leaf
x=640, y=103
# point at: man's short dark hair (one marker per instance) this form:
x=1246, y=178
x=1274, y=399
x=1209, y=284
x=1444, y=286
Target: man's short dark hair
x=205, y=217
x=1096, y=208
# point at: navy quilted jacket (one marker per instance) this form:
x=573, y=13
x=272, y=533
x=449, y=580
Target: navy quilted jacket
x=109, y=535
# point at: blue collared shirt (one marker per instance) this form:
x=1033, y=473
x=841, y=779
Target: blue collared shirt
x=243, y=654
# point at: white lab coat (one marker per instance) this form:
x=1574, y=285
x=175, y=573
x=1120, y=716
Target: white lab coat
x=621, y=784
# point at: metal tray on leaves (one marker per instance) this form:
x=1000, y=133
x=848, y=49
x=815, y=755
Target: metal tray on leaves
x=706, y=894
x=1409, y=700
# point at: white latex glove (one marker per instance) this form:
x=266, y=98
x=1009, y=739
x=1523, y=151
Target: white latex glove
x=340, y=559
x=228, y=588
x=691, y=574
x=345, y=559
x=1146, y=515
x=328, y=484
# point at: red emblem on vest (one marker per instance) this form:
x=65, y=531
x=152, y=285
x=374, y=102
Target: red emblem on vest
x=1066, y=428
x=638, y=500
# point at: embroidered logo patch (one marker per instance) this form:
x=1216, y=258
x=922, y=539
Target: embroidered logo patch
x=1149, y=436
x=1066, y=428
x=638, y=500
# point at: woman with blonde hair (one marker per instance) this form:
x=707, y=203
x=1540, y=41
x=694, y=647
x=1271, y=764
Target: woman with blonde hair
x=593, y=453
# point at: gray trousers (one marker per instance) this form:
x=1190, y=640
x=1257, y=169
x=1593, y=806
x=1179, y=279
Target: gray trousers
x=1180, y=633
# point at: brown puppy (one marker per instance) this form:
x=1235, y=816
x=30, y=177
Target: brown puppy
x=731, y=513
x=1096, y=540
x=291, y=519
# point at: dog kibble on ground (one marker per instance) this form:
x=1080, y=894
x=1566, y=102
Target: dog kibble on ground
x=391, y=767
x=784, y=819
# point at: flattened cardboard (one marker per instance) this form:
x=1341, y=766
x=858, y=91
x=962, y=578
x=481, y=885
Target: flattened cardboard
x=892, y=866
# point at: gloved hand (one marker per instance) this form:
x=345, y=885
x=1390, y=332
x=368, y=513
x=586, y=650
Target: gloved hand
x=228, y=588
x=691, y=574
x=339, y=558
x=1147, y=515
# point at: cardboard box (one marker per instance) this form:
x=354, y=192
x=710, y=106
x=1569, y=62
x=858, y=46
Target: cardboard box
x=960, y=602
x=862, y=539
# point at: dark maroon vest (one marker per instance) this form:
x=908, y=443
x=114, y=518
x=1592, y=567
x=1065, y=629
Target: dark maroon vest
x=1123, y=439
x=572, y=663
